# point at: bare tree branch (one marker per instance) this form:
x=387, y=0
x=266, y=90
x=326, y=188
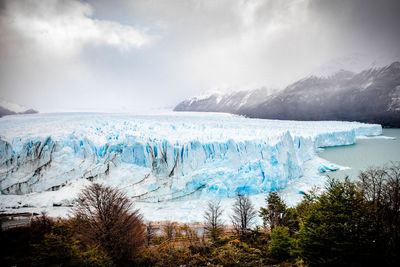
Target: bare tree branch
x=213, y=223
x=104, y=217
x=243, y=214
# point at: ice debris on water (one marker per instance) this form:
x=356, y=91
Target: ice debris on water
x=325, y=168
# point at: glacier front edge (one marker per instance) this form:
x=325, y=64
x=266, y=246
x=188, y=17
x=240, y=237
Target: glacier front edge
x=160, y=158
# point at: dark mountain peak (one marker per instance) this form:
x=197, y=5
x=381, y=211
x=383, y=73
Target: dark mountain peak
x=371, y=96
x=8, y=108
x=395, y=65
x=392, y=70
x=30, y=111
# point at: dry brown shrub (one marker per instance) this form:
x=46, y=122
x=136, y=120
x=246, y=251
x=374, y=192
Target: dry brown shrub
x=103, y=216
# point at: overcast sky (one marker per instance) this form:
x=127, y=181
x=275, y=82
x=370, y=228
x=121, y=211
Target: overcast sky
x=143, y=54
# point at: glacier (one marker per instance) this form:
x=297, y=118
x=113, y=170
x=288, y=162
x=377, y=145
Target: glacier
x=163, y=158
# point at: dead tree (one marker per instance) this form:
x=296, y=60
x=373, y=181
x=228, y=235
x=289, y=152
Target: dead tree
x=381, y=188
x=150, y=232
x=212, y=217
x=169, y=229
x=104, y=217
x=243, y=214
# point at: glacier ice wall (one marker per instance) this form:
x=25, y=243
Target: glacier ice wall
x=163, y=157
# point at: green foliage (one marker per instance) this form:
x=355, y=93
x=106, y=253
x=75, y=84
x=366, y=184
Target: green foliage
x=214, y=233
x=304, y=208
x=170, y=256
x=277, y=214
x=237, y=253
x=273, y=214
x=281, y=244
x=93, y=257
x=59, y=248
x=337, y=227
x=290, y=220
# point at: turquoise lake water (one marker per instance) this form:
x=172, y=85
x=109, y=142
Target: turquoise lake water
x=365, y=153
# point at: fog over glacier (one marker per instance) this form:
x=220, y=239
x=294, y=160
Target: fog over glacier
x=133, y=55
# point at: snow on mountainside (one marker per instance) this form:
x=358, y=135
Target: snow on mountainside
x=371, y=95
x=158, y=158
x=8, y=108
x=229, y=102
x=355, y=62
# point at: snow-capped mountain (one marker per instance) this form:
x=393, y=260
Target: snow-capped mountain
x=356, y=62
x=230, y=102
x=372, y=95
x=8, y=108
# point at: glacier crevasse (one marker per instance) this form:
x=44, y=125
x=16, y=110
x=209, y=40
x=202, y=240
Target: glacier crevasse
x=163, y=157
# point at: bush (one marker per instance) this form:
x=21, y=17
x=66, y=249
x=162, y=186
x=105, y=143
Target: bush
x=337, y=228
x=273, y=214
x=380, y=188
x=237, y=253
x=59, y=248
x=16, y=243
x=277, y=214
x=103, y=218
x=281, y=244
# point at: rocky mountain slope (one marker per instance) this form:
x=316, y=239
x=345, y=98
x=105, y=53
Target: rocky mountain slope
x=7, y=108
x=372, y=96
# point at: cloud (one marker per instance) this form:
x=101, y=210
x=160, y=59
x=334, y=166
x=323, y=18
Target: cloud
x=44, y=47
x=105, y=55
x=65, y=27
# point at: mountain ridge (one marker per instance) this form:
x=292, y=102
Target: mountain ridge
x=372, y=95
x=8, y=108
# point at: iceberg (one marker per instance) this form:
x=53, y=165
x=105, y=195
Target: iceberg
x=160, y=158
x=330, y=167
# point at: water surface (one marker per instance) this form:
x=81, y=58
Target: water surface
x=365, y=153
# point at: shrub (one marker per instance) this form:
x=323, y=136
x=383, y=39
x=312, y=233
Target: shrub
x=273, y=214
x=59, y=248
x=380, y=188
x=281, y=244
x=337, y=227
x=103, y=218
